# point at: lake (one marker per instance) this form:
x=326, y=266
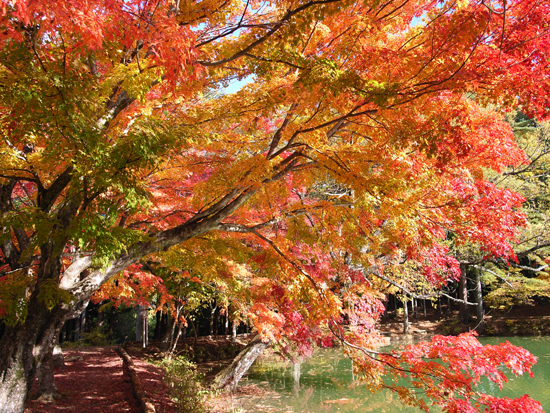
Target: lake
x=326, y=384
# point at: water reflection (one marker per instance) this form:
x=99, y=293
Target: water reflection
x=325, y=384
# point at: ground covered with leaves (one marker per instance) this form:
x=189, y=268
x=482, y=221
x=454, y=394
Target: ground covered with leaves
x=92, y=380
x=95, y=379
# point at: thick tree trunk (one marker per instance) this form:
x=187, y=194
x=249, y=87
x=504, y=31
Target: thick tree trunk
x=228, y=378
x=47, y=390
x=24, y=348
x=464, y=312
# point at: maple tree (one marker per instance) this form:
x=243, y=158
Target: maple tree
x=360, y=139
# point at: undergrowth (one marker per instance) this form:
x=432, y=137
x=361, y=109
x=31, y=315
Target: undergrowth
x=98, y=336
x=186, y=384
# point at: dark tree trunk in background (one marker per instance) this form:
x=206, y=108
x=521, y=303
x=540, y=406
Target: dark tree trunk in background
x=82, y=323
x=424, y=304
x=212, y=313
x=405, y=316
x=168, y=332
x=479, y=303
x=228, y=378
x=158, y=318
x=164, y=324
x=172, y=332
x=194, y=329
x=234, y=330
x=101, y=313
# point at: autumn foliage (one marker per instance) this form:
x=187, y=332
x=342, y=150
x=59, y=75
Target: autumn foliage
x=358, y=141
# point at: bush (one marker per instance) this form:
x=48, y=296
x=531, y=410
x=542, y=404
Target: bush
x=185, y=384
x=98, y=336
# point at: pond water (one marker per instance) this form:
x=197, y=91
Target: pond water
x=326, y=384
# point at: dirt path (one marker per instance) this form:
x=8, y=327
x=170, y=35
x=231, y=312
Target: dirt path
x=92, y=381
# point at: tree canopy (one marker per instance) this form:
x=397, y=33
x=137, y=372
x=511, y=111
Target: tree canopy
x=360, y=140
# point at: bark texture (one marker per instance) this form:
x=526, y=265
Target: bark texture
x=228, y=378
x=24, y=349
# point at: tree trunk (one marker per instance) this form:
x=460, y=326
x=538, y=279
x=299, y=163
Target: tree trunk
x=175, y=341
x=464, y=312
x=47, y=390
x=101, y=313
x=169, y=332
x=139, y=323
x=194, y=329
x=70, y=334
x=212, y=313
x=158, y=318
x=296, y=376
x=405, y=316
x=226, y=325
x=479, y=303
x=82, y=323
x=424, y=304
x=234, y=331
x=146, y=327
x=24, y=348
x=173, y=330
x=228, y=378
